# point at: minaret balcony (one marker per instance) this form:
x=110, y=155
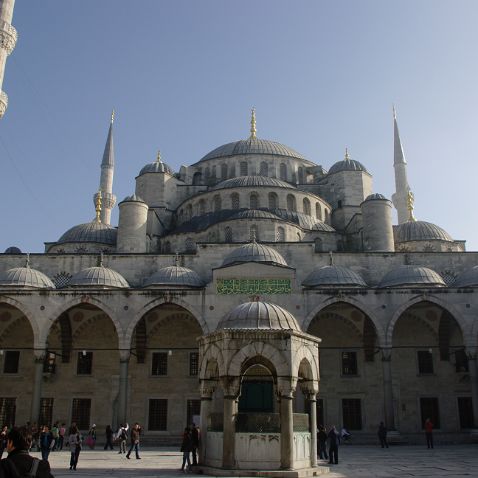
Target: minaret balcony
x=3, y=103
x=8, y=36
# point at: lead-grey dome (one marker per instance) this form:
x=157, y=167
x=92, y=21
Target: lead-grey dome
x=25, y=277
x=468, y=278
x=252, y=146
x=252, y=182
x=90, y=232
x=175, y=276
x=12, y=250
x=98, y=277
x=156, y=167
x=376, y=197
x=329, y=276
x=254, y=252
x=132, y=198
x=258, y=315
x=347, y=165
x=420, y=231
x=404, y=276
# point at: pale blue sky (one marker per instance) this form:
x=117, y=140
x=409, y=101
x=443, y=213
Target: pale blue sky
x=183, y=75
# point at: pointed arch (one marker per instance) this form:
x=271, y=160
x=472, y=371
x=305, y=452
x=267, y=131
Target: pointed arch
x=212, y=354
x=305, y=354
x=28, y=314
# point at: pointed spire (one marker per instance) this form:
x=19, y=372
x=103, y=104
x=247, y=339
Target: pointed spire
x=398, y=156
x=98, y=206
x=347, y=156
x=253, y=124
x=410, y=206
x=112, y=116
x=109, y=152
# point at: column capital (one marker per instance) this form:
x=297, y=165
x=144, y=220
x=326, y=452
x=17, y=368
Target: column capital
x=286, y=387
x=125, y=355
x=39, y=355
x=231, y=386
x=387, y=354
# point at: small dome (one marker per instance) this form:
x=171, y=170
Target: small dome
x=252, y=182
x=254, y=252
x=25, y=277
x=333, y=276
x=375, y=197
x=420, y=231
x=347, y=164
x=132, y=198
x=175, y=276
x=469, y=278
x=12, y=250
x=90, y=232
x=156, y=167
x=252, y=146
x=404, y=276
x=258, y=315
x=98, y=277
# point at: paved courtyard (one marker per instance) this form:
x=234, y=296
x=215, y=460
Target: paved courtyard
x=355, y=461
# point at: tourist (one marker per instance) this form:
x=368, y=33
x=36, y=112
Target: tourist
x=322, y=443
x=55, y=432
x=122, y=436
x=46, y=442
x=194, y=442
x=186, y=447
x=3, y=440
x=61, y=436
x=382, y=435
x=135, y=432
x=333, y=437
x=109, y=437
x=91, y=438
x=429, y=432
x=74, y=441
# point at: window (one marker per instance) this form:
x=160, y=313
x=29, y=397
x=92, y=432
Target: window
x=80, y=413
x=85, y=363
x=197, y=178
x=254, y=201
x=190, y=244
x=425, y=362
x=232, y=170
x=202, y=207
x=465, y=410
x=273, y=201
x=349, y=363
x=235, y=201
x=318, y=211
x=217, y=203
x=283, y=172
x=193, y=363
x=214, y=172
x=228, y=234
x=300, y=174
x=189, y=211
x=223, y=171
x=326, y=212
x=291, y=203
x=461, y=361
x=243, y=168
x=264, y=169
x=46, y=411
x=253, y=233
x=306, y=206
x=429, y=409
x=11, y=361
x=193, y=409
x=49, y=364
x=7, y=411
x=280, y=234
x=318, y=244
x=158, y=414
x=159, y=364
x=352, y=413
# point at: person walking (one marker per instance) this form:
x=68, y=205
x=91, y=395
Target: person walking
x=91, y=438
x=122, y=436
x=194, y=442
x=333, y=437
x=61, y=436
x=74, y=441
x=429, y=432
x=382, y=435
x=186, y=447
x=55, y=433
x=3, y=440
x=135, y=432
x=46, y=442
x=109, y=437
x=322, y=443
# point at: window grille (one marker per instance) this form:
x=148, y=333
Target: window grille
x=158, y=414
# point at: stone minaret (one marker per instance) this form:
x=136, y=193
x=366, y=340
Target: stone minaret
x=8, y=39
x=106, y=180
x=401, y=183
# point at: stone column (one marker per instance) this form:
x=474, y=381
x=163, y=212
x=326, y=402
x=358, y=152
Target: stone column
x=206, y=402
x=39, y=357
x=387, y=388
x=472, y=354
x=123, y=387
x=286, y=431
x=313, y=429
x=231, y=391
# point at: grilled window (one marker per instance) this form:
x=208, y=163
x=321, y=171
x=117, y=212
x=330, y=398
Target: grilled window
x=11, y=361
x=7, y=411
x=46, y=411
x=159, y=364
x=85, y=363
x=349, y=363
x=80, y=413
x=429, y=409
x=425, y=362
x=193, y=409
x=158, y=414
x=193, y=363
x=465, y=410
x=352, y=413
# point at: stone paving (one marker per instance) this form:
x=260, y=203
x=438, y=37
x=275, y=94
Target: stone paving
x=354, y=462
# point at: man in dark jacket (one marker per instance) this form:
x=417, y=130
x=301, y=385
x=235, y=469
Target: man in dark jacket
x=333, y=437
x=135, y=432
x=19, y=462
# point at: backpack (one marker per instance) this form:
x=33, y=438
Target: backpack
x=123, y=435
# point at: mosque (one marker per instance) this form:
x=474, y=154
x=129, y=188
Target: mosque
x=224, y=286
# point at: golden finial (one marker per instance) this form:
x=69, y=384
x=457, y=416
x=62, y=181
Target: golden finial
x=112, y=116
x=347, y=156
x=158, y=156
x=410, y=203
x=253, y=123
x=98, y=206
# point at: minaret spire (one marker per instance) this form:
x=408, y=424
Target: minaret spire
x=108, y=199
x=400, y=198
x=253, y=124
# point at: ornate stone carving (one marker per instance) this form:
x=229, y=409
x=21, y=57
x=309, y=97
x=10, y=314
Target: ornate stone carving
x=8, y=36
x=3, y=103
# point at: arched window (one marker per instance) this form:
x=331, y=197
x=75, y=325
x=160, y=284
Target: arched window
x=202, y=207
x=273, y=201
x=211, y=236
x=207, y=173
x=235, y=201
x=223, y=171
x=283, y=171
x=217, y=203
x=300, y=173
x=306, y=206
x=253, y=233
x=228, y=234
x=291, y=203
x=280, y=234
x=264, y=169
x=232, y=170
x=254, y=201
x=189, y=211
x=213, y=173
x=190, y=244
x=197, y=178
x=326, y=212
x=318, y=244
x=243, y=168
x=318, y=211
x=167, y=247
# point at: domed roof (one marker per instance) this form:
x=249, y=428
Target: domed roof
x=90, y=232
x=132, y=198
x=252, y=146
x=99, y=276
x=411, y=275
x=347, y=164
x=175, y=276
x=252, y=182
x=420, y=231
x=258, y=315
x=25, y=277
x=254, y=214
x=12, y=250
x=156, y=167
x=333, y=276
x=254, y=252
x=375, y=197
x=468, y=278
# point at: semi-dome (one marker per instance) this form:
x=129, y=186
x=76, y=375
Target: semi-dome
x=407, y=275
x=12, y=250
x=175, y=276
x=252, y=146
x=347, y=164
x=468, y=278
x=156, y=167
x=258, y=315
x=99, y=276
x=420, y=231
x=25, y=277
x=252, y=182
x=254, y=252
x=90, y=232
x=330, y=276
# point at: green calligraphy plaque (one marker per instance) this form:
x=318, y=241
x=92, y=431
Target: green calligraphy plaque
x=253, y=286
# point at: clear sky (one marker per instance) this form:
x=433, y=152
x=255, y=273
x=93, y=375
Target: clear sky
x=183, y=75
